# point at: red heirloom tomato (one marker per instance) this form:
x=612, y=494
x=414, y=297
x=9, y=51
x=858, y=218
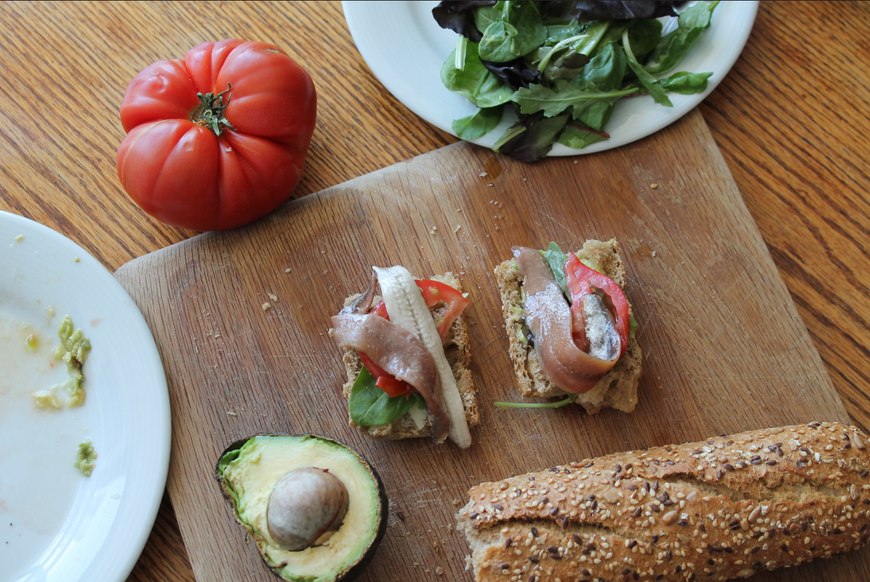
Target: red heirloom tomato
x=218, y=139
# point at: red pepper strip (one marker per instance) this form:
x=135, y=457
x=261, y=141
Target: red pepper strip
x=433, y=292
x=582, y=281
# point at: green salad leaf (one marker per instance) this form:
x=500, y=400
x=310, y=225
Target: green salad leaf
x=557, y=404
x=532, y=137
x=650, y=83
x=518, y=31
x=486, y=15
x=674, y=46
x=578, y=95
x=477, y=124
x=370, y=406
x=686, y=83
x=644, y=36
x=565, y=66
x=495, y=45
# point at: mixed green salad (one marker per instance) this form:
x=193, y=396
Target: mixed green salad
x=563, y=66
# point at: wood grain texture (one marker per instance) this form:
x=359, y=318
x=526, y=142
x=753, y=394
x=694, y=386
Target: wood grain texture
x=790, y=120
x=237, y=369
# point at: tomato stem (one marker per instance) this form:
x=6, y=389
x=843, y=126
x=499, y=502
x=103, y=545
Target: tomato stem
x=210, y=111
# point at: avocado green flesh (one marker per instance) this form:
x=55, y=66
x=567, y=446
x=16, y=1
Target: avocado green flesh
x=249, y=474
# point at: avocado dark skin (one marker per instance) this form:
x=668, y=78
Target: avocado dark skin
x=354, y=567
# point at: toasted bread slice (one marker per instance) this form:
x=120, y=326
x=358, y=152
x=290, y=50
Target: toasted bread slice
x=618, y=389
x=458, y=352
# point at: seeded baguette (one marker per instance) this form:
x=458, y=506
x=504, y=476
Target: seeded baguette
x=715, y=510
x=618, y=388
x=457, y=349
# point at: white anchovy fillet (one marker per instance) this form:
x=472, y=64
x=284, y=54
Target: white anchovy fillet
x=407, y=309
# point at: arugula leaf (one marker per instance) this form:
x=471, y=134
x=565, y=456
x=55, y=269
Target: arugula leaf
x=557, y=404
x=531, y=138
x=632, y=326
x=577, y=95
x=650, y=83
x=674, y=45
x=477, y=124
x=473, y=81
x=556, y=260
x=686, y=83
x=370, y=406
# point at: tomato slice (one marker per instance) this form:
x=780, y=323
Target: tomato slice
x=582, y=281
x=433, y=292
x=385, y=381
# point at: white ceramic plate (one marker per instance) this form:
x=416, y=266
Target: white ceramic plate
x=55, y=523
x=405, y=48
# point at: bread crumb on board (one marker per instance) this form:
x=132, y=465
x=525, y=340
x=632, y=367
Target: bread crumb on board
x=266, y=306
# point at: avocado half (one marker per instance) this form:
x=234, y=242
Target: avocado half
x=248, y=471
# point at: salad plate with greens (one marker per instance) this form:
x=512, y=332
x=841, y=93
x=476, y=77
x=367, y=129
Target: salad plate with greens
x=532, y=79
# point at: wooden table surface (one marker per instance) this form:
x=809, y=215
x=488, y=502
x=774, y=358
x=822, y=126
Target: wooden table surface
x=790, y=119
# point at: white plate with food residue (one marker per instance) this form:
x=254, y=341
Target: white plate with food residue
x=404, y=47
x=56, y=524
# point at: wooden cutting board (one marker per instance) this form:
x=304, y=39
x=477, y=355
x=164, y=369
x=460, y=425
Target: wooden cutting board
x=725, y=350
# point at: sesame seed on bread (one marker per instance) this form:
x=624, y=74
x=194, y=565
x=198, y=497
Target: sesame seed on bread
x=457, y=349
x=713, y=510
x=618, y=388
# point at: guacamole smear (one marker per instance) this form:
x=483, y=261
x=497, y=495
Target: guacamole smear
x=86, y=458
x=73, y=349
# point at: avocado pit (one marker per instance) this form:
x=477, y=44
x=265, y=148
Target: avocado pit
x=306, y=507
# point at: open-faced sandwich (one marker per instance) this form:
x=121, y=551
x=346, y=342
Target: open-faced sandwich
x=570, y=326
x=407, y=358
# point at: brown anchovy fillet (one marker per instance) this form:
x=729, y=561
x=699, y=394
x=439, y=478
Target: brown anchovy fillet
x=549, y=319
x=399, y=353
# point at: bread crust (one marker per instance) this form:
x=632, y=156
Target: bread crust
x=713, y=510
x=618, y=388
x=457, y=349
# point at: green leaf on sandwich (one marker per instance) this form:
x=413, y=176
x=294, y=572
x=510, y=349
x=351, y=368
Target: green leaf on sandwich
x=556, y=260
x=370, y=406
